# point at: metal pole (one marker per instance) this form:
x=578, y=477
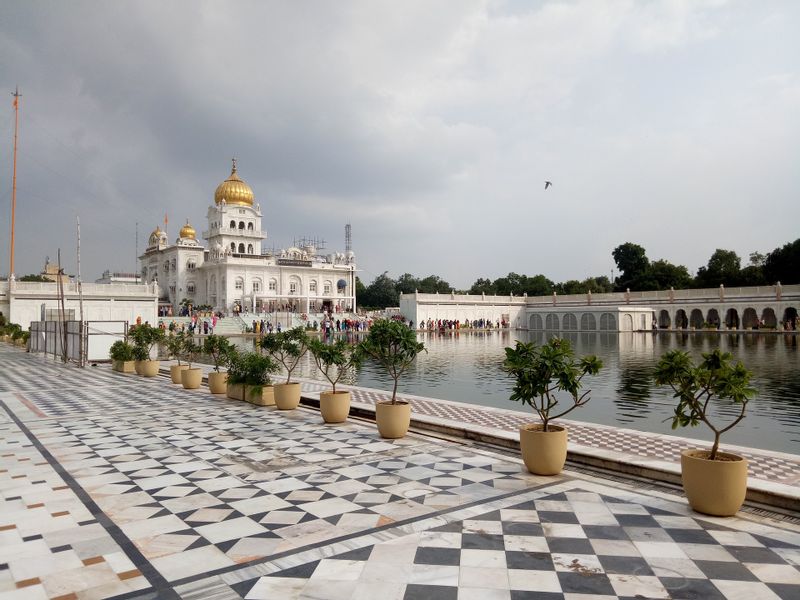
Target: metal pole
x=17, y=96
x=82, y=341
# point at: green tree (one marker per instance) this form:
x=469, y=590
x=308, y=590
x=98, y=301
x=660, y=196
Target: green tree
x=382, y=292
x=782, y=264
x=432, y=284
x=665, y=275
x=408, y=284
x=482, y=286
x=633, y=265
x=35, y=278
x=723, y=267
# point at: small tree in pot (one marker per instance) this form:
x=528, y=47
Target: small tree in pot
x=287, y=347
x=715, y=482
x=252, y=371
x=218, y=349
x=121, y=353
x=393, y=346
x=543, y=374
x=191, y=378
x=335, y=361
x=174, y=345
x=145, y=338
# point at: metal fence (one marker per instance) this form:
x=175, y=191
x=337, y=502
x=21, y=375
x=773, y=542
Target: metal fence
x=77, y=341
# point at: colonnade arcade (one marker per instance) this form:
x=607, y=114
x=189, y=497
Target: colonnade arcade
x=726, y=316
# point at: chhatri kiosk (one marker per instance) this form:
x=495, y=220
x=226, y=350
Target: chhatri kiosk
x=235, y=273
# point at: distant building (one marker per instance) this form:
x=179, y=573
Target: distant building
x=115, y=277
x=235, y=273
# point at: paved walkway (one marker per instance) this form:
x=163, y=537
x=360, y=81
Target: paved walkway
x=117, y=486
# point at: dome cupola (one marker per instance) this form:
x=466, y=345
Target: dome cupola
x=234, y=191
x=188, y=232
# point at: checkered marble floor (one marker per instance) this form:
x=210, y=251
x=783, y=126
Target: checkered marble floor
x=114, y=485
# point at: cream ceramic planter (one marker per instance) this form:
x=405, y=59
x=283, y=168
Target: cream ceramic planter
x=265, y=398
x=393, y=420
x=287, y=396
x=714, y=487
x=334, y=406
x=175, y=373
x=217, y=382
x=234, y=391
x=544, y=452
x=191, y=378
x=124, y=366
x=137, y=366
x=149, y=368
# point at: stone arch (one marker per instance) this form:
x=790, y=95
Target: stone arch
x=588, y=322
x=696, y=318
x=627, y=322
x=664, y=321
x=233, y=224
x=241, y=248
x=712, y=317
x=732, y=318
x=249, y=248
x=249, y=227
x=551, y=322
x=535, y=322
x=790, y=316
x=681, y=320
x=608, y=322
x=233, y=246
x=570, y=322
x=241, y=224
x=750, y=318
x=769, y=318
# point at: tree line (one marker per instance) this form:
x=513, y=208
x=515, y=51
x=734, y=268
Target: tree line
x=636, y=272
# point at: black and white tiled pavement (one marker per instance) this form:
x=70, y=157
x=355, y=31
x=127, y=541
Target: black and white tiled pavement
x=113, y=485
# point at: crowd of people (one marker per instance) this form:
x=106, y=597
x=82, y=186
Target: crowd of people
x=449, y=324
x=197, y=324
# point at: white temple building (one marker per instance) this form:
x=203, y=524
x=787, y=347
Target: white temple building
x=234, y=273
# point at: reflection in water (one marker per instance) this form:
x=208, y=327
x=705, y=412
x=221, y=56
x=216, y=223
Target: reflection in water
x=467, y=367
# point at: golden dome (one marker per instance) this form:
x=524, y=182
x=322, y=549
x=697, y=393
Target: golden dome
x=234, y=191
x=155, y=236
x=187, y=231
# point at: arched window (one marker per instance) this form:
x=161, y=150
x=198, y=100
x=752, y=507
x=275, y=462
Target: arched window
x=233, y=224
x=241, y=248
x=588, y=322
x=191, y=264
x=536, y=322
x=190, y=287
x=172, y=266
x=256, y=285
x=312, y=287
x=249, y=227
x=273, y=285
x=166, y=266
x=241, y=224
x=249, y=248
x=551, y=322
x=233, y=246
x=327, y=288
x=239, y=284
x=608, y=322
x=570, y=322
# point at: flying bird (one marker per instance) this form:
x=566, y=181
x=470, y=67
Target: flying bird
x=547, y=184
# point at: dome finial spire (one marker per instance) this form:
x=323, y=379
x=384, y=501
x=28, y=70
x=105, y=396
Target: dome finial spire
x=233, y=160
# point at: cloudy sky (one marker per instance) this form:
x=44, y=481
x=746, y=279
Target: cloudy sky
x=430, y=126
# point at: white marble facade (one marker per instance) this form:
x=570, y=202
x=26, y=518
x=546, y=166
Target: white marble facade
x=234, y=270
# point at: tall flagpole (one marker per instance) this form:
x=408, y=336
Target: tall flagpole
x=17, y=96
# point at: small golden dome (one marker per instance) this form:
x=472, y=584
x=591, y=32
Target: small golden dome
x=234, y=191
x=155, y=236
x=187, y=231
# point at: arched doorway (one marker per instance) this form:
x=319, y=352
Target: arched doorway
x=588, y=322
x=608, y=322
x=663, y=319
x=535, y=322
x=551, y=322
x=790, y=317
x=769, y=319
x=570, y=322
x=749, y=318
x=681, y=320
x=712, y=318
x=732, y=318
x=696, y=319
x=627, y=323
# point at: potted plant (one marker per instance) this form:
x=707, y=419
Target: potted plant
x=543, y=375
x=234, y=384
x=191, y=378
x=335, y=361
x=174, y=344
x=218, y=349
x=394, y=347
x=287, y=347
x=252, y=371
x=715, y=482
x=121, y=353
x=145, y=338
